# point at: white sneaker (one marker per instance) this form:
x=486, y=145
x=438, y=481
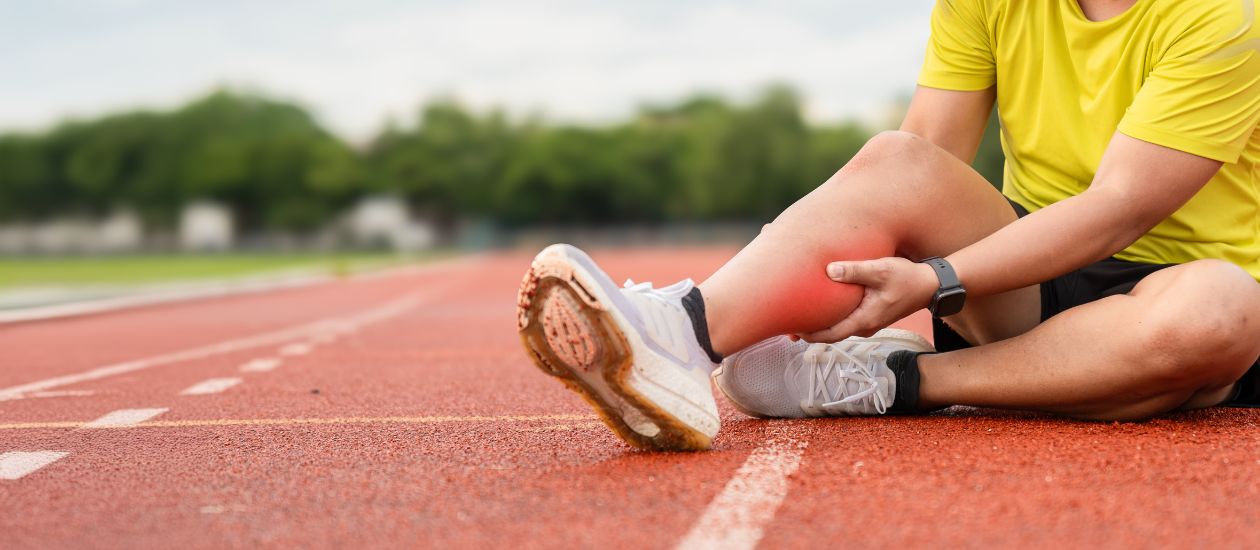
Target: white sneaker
x=631, y=353
x=779, y=378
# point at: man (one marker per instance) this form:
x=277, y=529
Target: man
x=1116, y=279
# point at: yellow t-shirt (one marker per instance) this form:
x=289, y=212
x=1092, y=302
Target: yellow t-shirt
x=1184, y=74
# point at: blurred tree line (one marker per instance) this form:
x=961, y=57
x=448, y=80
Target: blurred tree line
x=703, y=159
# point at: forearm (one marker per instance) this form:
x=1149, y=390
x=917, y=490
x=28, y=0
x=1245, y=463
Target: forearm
x=1050, y=242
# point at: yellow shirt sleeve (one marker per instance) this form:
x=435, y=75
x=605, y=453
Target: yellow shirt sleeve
x=959, y=53
x=1203, y=95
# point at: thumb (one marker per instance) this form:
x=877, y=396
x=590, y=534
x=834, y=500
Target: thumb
x=849, y=272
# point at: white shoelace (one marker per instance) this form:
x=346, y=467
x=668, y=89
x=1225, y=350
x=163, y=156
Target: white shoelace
x=823, y=360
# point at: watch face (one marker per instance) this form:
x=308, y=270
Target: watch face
x=950, y=301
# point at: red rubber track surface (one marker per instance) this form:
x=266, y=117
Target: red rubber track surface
x=449, y=436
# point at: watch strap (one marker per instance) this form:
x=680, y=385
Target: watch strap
x=944, y=272
x=950, y=295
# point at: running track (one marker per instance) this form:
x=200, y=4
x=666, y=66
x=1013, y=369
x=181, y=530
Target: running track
x=399, y=411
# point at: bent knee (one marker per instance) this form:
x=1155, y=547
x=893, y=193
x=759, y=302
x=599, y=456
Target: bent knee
x=1205, y=299
x=886, y=146
x=912, y=158
x=1202, y=322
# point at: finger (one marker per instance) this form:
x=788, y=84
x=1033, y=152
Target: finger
x=861, y=273
x=828, y=336
x=839, y=332
x=842, y=331
x=866, y=333
x=859, y=320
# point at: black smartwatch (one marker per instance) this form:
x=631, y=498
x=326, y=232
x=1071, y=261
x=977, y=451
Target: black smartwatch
x=949, y=298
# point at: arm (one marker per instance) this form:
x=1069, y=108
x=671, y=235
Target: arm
x=1137, y=185
x=952, y=120
x=1195, y=110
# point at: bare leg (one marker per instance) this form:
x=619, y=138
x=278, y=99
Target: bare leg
x=901, y=195
x=1180, y=339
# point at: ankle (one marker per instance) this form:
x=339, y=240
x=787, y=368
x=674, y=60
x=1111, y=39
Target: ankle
x=905, y=367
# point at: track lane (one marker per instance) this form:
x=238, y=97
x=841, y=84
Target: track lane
x=439, y=359
x=494, y=453
x=43, y=349
x=982, y=478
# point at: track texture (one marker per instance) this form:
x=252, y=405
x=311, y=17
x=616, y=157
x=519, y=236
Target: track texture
x=427, y=427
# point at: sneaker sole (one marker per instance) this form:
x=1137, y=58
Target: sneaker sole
x=568, y=332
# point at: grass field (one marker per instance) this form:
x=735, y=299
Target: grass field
x=18, y=272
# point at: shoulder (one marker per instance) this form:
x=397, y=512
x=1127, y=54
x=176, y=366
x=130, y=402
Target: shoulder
x=1206, y=22
x=974, y=13
x=972, y=8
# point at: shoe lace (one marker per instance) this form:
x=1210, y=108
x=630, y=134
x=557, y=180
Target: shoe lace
x=827, y=361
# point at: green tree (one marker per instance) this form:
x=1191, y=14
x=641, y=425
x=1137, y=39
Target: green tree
x=703, y=158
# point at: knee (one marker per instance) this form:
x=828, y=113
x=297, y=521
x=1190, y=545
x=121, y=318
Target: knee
x=885, y=147
x=891, y=142
x=889, y=149
x=1201, y=327
x=871, y=171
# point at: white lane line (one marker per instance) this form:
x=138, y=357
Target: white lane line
x=48, y=394
x=563, y=427
x=221, y=508
x=260, y=365
x=181, y=292
x=335, y=421
x=123, y=418
x=295, y=349
x=162, y=294
x=735, y=518
x=16, y=464
x=374, y=315
x=213, y=385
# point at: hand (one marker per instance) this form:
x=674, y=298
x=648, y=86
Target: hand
x=895, y=288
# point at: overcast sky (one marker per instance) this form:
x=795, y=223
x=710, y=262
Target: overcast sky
x=357, y=63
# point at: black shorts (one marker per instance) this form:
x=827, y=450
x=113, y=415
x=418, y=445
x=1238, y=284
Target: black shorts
x=1094, y=282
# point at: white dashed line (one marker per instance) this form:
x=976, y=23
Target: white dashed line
x=261, y=365
x=16, y=464
x=735, y=518
x=295, y=349
x=222, y=508
x=213, y=385
x=124, y=418
x=374, y=315
x=49, y=394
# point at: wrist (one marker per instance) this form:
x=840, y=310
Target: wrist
x=950, y=295
x=926, y=284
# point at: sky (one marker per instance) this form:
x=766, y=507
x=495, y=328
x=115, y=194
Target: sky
x=357, y=64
